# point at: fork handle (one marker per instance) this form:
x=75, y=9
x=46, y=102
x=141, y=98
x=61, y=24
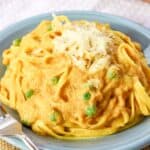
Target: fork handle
x=27, y=141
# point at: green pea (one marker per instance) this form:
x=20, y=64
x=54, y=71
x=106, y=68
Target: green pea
x=26, y=123
x=86, y=96
x=16, y=42
x=90, y=111
x=53, y=116
x=55, y=80
x=29, y=93
x=50, y=28
x=112, y=74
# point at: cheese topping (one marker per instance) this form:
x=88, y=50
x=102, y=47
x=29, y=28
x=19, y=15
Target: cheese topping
x=84, y=44
x=94, y=82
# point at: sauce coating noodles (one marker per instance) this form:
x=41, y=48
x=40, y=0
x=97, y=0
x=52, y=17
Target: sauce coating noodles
x=76, y=79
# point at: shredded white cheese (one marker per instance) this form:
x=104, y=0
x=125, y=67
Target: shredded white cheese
x=83, y=43
x=94, y=82
x=100, y=64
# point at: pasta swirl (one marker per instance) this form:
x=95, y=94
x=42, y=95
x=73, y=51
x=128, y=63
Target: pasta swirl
x=76, y=79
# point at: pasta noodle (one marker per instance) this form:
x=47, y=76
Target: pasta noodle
x=76, y=79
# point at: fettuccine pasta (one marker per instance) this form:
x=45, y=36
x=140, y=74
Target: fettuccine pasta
x=76, y=79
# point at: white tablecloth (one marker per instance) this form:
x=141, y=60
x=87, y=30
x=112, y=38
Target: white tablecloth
x=15, y=10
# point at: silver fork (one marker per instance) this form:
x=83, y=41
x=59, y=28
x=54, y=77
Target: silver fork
x=10, y=127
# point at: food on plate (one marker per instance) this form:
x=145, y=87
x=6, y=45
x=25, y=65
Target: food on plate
x=76, y=79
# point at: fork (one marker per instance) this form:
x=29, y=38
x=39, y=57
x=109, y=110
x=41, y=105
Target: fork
x=10, y=127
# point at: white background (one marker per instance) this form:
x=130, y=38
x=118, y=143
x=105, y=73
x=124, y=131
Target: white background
x=15, y=10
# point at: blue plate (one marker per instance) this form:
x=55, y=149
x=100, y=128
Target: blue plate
x=130, y=139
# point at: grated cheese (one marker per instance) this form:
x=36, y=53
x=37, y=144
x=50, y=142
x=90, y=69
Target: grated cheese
x=100, y=64
x=94, y=82
x=83, y=43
